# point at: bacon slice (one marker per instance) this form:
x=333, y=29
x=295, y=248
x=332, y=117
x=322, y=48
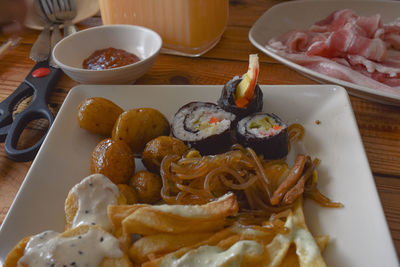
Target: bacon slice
x=348, y=47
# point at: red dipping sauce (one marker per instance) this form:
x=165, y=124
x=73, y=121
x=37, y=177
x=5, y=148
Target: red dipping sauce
x=109, y=58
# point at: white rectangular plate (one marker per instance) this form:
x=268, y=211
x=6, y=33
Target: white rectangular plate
x=359, y=233
x=283, y=17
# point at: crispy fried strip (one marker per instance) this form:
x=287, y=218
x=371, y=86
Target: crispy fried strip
x=212, y=241
x=160, y=244
x=117, y=213
x=16, y=253
x=291, y=179
x=291, y=196
x=147, y=220
x=307, y=249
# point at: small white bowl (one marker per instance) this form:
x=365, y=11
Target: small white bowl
x=71, y=51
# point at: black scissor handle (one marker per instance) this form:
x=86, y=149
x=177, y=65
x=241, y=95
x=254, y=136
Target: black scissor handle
x=39, y=88
x=7, y=107
x=16, y=129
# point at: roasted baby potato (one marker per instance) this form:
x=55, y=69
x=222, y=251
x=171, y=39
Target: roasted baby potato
x=114, y=159
x=156, y=149
x=138, y=126
x=147, y=186
x=98, y=115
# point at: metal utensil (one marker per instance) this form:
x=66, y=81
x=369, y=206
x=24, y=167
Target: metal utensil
x=48, y=8
x=50, y=13
x=65, y=10
x=40, y=50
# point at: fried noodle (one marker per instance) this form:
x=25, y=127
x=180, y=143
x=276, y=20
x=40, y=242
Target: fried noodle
x=254, y=180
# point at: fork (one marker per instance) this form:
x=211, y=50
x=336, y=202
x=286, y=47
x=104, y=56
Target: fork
x=41, y=48
x=49, y=11
x=65, y=10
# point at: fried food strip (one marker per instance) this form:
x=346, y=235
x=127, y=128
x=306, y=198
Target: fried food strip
x=117, y=213
x=297, y=190
x=297, y=247
x=292, y=260
x=241, y=253
x=148, y=221
x=174, y=219
x=155, y=246
x=16, y=253
x=307, y=249
x=211, y=241
x=225, y=239
x=291, y=179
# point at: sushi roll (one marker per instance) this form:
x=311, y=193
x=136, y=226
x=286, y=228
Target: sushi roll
x=265, y=133
x=243, y=96
x=203, y=126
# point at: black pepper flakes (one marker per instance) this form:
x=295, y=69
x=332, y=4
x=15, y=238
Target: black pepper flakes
x=101, y=239
x=80, y=252
x=43, y=235
x=86, y=211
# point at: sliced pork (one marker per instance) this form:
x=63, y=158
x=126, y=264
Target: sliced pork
x=349, y=47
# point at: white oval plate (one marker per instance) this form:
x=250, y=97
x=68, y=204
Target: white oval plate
x=300, y=15
x=85, y=10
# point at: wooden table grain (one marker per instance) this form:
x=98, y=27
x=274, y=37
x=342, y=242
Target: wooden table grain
x=379, y=124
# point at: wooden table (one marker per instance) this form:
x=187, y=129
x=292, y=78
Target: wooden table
x=379, y=124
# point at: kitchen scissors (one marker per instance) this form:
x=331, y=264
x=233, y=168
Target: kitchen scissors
x=38, y=84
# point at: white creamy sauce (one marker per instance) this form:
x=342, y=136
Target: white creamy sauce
x=89, y=249
x=94, y=194
x=213, y=256
x=189, y=211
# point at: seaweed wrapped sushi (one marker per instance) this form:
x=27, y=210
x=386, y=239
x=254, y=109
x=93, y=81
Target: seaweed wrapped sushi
x=243, y=96
x=265, y=133
x=204, y=126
